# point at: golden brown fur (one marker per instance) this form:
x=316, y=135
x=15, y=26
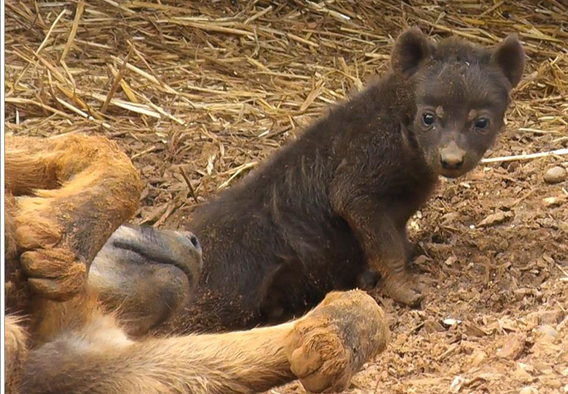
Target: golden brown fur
x=58, y=214
x=72, y=193
x=15, y=351
x=69, y=194
x=319, y=349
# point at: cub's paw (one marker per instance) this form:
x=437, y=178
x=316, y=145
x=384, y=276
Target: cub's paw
x=333, y=341
x=404, y=289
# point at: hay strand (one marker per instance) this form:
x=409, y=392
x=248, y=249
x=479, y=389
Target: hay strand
x=557, y=152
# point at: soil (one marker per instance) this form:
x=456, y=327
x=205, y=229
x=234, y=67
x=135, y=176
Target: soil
x=492, y=246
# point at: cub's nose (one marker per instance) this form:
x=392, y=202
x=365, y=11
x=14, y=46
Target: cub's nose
x=451, y=162
x=452, y=157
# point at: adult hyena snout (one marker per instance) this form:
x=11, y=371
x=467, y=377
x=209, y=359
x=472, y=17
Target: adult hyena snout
x=190, y=240
x=132, y=250
x=452, y=157
x=147, y=274
x=183, y=250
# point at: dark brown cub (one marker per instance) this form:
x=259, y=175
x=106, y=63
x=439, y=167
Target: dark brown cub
x=335, y=203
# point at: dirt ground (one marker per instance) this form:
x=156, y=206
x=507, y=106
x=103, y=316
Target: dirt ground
x=213, y=87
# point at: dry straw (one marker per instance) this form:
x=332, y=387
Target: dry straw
x=214, y=87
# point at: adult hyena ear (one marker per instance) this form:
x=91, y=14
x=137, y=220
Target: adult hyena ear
x=411, y=49
x=509, y=56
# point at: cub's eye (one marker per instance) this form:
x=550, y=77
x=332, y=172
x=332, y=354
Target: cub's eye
x=428, y=119
x=481, y=123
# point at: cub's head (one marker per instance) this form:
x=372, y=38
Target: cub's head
x=462, y=93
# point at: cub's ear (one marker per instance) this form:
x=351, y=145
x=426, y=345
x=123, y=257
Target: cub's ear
x=509, y=56
x=410, y=50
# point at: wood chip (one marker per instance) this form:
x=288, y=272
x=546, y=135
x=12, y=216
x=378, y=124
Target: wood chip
x=513, y=347
x=496, y=218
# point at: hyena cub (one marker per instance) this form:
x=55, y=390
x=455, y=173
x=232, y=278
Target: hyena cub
x=334, y=204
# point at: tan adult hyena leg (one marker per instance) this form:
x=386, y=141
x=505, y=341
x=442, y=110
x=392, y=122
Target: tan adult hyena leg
x=324, y=349
x=15, y=352
x=72, y=192
x=15, y=349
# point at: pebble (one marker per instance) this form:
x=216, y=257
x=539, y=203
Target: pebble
x=548, y=332
x=528, y=390
x=457, y=384
x=451, y=322
x=551, y=202
x=450, y=260
x=555, y=175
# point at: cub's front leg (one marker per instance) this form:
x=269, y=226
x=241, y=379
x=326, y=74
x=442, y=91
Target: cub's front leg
x=383, y=241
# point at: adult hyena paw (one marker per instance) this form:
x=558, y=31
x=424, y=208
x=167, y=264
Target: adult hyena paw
x=333, y=341
x=53, y=270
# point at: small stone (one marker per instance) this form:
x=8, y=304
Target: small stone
x=450, y=322
x=547, y=332
x=513, y=348
x=457, y=384
x=551, y=202
x=450, y=260
x=496, y=218
x=555, y=175
x=528, y=390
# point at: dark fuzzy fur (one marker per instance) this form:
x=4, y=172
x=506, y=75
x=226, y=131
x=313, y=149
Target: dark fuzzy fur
x=335, y=202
